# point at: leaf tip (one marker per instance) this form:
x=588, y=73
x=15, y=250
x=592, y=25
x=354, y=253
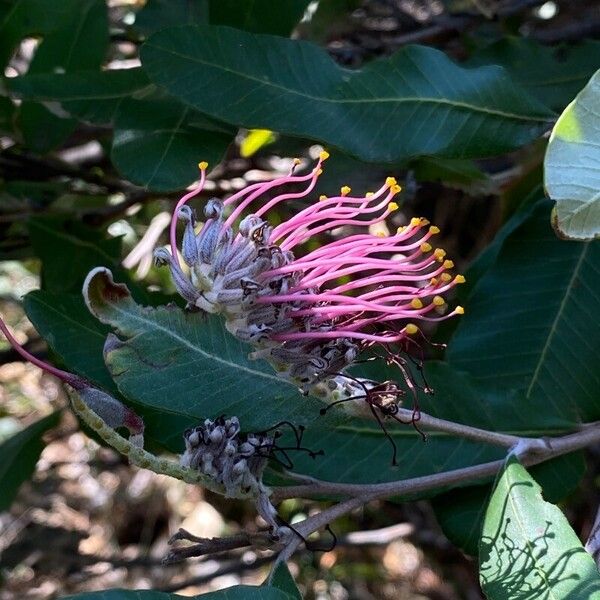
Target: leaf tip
x=100, y=290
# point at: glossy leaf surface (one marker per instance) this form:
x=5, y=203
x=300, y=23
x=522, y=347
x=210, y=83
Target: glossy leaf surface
x=414, y=103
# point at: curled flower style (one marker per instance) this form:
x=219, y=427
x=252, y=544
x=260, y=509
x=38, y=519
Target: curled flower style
x=311, y=313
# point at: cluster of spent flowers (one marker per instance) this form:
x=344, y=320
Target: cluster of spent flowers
x=310, y=313
x=234, y=460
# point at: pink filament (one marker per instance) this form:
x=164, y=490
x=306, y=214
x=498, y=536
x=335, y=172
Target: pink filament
x=69, y=378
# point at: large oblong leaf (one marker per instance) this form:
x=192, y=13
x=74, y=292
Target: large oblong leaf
x=417, y=102
x=531, y=324
x=20, y=454
x=572, y=166
x=552, y=74
x=174, y=138
x=528, y=549
x=238, y=592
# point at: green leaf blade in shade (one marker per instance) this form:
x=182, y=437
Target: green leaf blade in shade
x=158, y=14
x=20, y=454
x=175, y=138
x=77, y=339
x=238, y=592
x=572, y=166
x=525, y=315
x=281, y=578
x=24, y=18
x=554, y=75
x=92, y=96
x=528, y=550
x=258, y=16
x=415, y=103
x=79, y=42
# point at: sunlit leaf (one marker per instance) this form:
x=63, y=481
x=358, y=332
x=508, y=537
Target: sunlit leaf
x=572, y=166
x=528, y=549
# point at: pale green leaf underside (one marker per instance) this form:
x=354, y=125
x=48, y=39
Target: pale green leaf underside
x=528, y=549
x=572, y=165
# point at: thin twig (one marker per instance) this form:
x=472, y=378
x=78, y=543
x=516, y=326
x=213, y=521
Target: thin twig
x=541, y=449
x=203, y=546
x=593, y=542
x=587, y=436
x=466, y=431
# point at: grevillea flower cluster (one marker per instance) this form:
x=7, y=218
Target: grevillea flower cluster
x=311, y=313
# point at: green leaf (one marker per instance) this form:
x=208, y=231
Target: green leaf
x=77, y=339
x=7, y=113
x=73, y=334
x=187, y=364
x=417, y=102
x=79, y=42
x=551, y=74
x=189, y=354
x=527, y=327
x=20, y=454
x=450, y=170
x=93, y=96
x=281, y=578
x=461, y=512
x=174, y=137
x=69, y=250
x=528, y=549
x=158, y=14
x=24, y=18
x=258, y=16
x=238, y=592
x=572, y=166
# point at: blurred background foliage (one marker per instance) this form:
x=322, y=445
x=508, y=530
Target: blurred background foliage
x=104, y=115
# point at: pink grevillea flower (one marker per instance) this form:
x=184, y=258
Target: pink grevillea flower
x=310, y=313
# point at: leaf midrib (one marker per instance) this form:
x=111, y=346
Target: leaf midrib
x=153, y=325
x=539, y=567
x=553, y=327
x=369, y=101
